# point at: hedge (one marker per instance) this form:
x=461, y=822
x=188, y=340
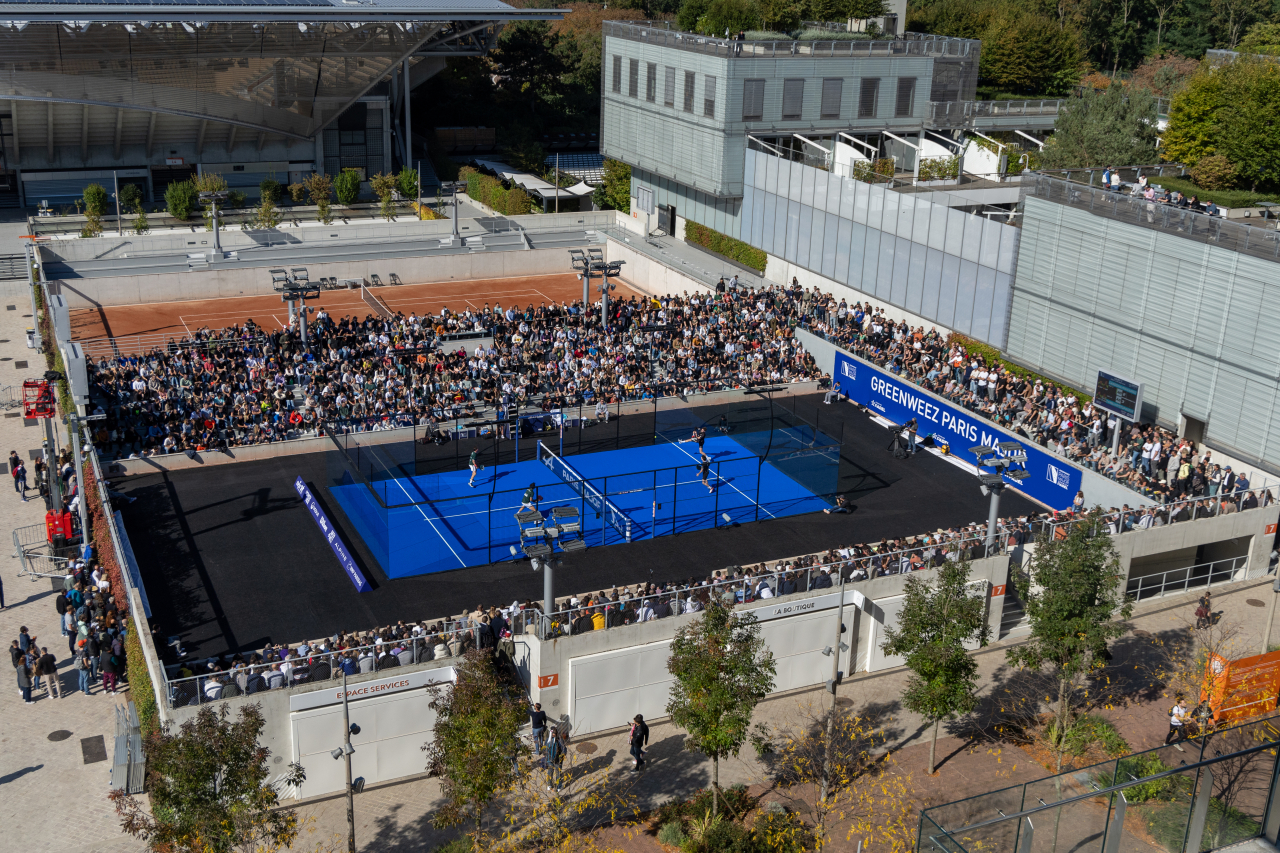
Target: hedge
x=723, y=244
x=488, y=190
x=992, y=356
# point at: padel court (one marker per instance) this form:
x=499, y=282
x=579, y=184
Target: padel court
x=420, y=524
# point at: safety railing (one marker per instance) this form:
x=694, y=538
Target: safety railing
x=320, y=665
x=1174, y=512
x=1258, y=241
x=140, y=345
x=911, y=44
x=964, y=113
x=631, y=609
x=1191, y=577
x=27, y=536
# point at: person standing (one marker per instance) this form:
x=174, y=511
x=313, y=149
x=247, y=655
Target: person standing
x=20, y=480
x=639, y=739
x=48, y=667
x=1204, y=612
x=553, y=757
x=24, y=679
x=538, y=721
x=474, y=464
x=110, y=664
x=704, y=471
x=82, y=667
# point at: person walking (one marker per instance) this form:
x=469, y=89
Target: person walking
x=553, y=758
x=15, y=462
x=1204, y=611
x=1177, y=730
x=48, y=667
x=20, y=480
x=638, y=740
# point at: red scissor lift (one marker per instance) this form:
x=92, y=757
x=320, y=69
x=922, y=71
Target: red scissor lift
x=38, y=402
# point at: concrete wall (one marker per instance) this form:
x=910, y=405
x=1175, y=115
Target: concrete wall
x=254, y=281
x=649, y=275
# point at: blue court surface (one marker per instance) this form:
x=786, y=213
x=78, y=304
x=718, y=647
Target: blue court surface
x=437, y=523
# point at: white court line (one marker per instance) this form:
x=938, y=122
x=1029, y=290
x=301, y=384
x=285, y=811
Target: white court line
x=726, y=482
x=432, y=523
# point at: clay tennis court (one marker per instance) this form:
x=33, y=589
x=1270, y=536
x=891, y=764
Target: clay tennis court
x=155, y=323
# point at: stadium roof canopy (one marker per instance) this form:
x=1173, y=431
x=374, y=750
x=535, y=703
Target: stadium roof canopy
x=286, y=67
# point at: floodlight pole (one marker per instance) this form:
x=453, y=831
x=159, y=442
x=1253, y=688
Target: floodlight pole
x=993, y=517
x=548, y=589
x=115, y=184
x=346, y=739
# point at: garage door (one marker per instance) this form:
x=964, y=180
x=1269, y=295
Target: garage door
x=610, y=688
x=394, y=726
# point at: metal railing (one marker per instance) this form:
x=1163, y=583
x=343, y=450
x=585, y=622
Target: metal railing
x=963, y=113
x=910, y=44
x=1258, y=241
x=318, y=666
x=1174, y=512
x=138, y=345
x=1180, y=580
x=750, y=588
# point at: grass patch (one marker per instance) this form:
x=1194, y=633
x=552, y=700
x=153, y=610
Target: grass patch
x=1224, y=825
x=723, y=244
x=1223, y=198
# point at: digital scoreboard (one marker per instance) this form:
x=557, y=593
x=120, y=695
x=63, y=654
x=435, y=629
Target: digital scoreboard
x=1119, y=396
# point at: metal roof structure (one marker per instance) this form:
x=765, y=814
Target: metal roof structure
x=79, y=12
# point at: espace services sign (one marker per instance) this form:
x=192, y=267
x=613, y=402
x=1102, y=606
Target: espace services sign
x=370, y=689
x=1053, y=481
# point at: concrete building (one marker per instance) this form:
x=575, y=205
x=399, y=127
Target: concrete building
x=154, y=93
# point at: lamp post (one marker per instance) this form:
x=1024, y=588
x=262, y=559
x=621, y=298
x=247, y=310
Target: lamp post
x=345, y=751
x=213, y=197
x=1003, y=457
x=453, y=188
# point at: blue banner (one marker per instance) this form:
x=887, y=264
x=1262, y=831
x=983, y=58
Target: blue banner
x=1053, y=481
x=331, y=536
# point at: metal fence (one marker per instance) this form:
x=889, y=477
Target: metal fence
x=963, y=113
x=1174, y=512
x=911, y=44
x=1180, y=580
x=136, y=345
x=129, y=767
x=1258, y=241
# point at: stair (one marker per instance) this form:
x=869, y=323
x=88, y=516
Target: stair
x=1014, y=616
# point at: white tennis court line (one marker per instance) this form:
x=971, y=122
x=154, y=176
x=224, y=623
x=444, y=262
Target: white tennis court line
x=726, y=482
x=432, y=523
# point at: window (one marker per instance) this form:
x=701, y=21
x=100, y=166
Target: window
x=867, y=97
x=651, y=82
x=617, y=74
x=709, y=97
x=669, y=90
x=792, y=99
x=689, y=79
x=832, y=90
x=906, y=102
x=644, y=200
x=633, y=77
x=752, y=100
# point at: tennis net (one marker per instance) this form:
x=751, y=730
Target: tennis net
x=616, y=518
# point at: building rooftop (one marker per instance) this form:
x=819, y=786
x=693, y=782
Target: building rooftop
x=15, y=13
x=908, y=44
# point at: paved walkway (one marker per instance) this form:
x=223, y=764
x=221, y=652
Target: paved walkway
x=396, y=818
x=53, y=793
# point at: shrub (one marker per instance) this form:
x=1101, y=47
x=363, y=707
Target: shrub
x=407, y=182
x=510, y=201
x=458, y=845
x=319, y=188
x=180, y=198
x=131, y=198
x=270, y=189
x=95, y=205
x=1214, y=172
x=734, y=250
x=298, y=193
x=939, y=168
x=347, y=186
x=140, y=224
x=1085, y=731
x=672, y=834
x=384, y=187
x=267, y=215
x=236, y=200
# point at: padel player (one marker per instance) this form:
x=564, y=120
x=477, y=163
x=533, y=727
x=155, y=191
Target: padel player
x=474, y=464
x=704, y=469
x=699, y=436
x=530, y=499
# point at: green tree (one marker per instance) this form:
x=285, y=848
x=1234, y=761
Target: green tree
x=527, y=65
x=130, y=198
x=384, y=187
x=1262, y=38
x=722, y=670
x=690, y=12
x=731, y=16
x=140, y=223
x=319, y=187
x=1073, y=594
x=1029, y=53
x=267, y=216
x=271, y=190
x=180, y=198
x=476, y=744
x=346, y=186
x=95, y=207
x=1107, y=128
x=779, y=15
x=1249, y=122
x=933, y=627
x=1193, y=118
x=614, y=192
x=209, y=788
x=407, y=182
x=862, y=10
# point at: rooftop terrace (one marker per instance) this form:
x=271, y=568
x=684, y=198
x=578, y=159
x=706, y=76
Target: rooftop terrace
x=908, y=44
